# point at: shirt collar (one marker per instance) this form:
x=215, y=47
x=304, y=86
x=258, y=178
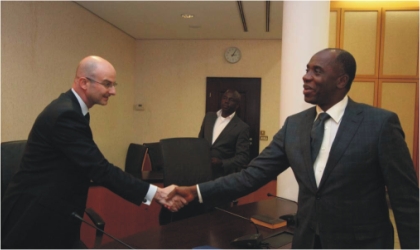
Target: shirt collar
x=219, y=114
x=82, y=104
x=337, y=111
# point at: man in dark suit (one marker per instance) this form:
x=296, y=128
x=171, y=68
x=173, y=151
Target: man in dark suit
x=227, y=135
x=342, y=195
x=59, y=163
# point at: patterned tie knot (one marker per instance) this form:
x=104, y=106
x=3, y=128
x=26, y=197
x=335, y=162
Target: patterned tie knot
x=322, y=117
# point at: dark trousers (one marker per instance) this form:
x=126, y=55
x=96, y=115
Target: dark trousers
x=317, y=242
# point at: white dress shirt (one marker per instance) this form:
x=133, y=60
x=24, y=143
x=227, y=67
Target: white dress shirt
x=220, y=124
x=330, y=131
x=336, y=113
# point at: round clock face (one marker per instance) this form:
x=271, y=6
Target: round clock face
x=233, y=55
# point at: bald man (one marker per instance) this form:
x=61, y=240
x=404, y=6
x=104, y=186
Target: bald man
x=59, y=163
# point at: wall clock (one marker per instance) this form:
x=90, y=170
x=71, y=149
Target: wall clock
x=232, y=55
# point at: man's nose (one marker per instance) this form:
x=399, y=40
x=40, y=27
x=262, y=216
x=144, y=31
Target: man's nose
x=112, y=90
x=307, y=77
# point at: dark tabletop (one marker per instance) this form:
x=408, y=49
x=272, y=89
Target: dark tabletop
x=215, y=229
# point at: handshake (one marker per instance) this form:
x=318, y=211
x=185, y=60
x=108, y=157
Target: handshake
x=174, y=198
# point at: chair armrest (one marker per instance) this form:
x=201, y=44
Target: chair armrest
x=96, y=218
x=99, y=223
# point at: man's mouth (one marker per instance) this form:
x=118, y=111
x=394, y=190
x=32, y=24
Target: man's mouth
x=307, y=90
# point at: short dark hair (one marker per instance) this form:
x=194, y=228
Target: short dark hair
x=235, y=93
x=347, y=62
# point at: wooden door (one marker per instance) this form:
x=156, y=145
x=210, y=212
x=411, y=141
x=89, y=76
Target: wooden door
x=249, y=110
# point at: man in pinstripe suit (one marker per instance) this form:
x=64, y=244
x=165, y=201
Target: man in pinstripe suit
x=342, y=189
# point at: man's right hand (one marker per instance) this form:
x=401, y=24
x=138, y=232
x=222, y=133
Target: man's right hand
x=173, y=203
x=188, y=193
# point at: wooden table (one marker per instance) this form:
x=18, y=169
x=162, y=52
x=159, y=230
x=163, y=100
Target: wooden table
x=215, y=229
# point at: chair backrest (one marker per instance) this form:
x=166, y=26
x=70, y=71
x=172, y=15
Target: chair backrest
x=186, y=161
x=155, y=154
x=135, y=159
x=11, y=156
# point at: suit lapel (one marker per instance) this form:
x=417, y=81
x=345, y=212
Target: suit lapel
x=305, y=141
x=231, y=125
x=208, y=133
x=74, y=100
x=351, y=121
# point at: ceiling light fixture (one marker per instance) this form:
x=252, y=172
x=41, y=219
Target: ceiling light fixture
x=187, y=16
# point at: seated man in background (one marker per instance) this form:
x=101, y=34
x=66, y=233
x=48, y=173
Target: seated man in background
x=60, y=161
x=228, y=136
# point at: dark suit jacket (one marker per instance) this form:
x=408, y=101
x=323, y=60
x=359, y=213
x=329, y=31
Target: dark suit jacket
x=59, y=162
x=349, y=206
x=232, y=145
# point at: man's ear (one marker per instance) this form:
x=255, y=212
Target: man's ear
x=237, y=106
x=342, y=81
x=82, y=82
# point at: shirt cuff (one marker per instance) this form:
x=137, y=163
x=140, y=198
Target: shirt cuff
x=200, y=199
x=150, y=194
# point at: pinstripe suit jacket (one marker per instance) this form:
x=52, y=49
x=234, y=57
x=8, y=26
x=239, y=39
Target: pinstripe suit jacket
x=59, y=162
x=349, y=207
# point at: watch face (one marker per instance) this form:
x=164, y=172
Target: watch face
x=233, y=55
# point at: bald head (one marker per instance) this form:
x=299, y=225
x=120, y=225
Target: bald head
x=344, y=61
x=93, y=74
x=88, y=66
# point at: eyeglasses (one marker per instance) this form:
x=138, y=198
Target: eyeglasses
x=106, y=84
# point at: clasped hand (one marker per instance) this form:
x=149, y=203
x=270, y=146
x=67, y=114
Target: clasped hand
x=174, y=198
x=169, y=199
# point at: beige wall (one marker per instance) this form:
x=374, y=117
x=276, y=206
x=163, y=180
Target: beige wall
x=171, y=83
x=42, y=43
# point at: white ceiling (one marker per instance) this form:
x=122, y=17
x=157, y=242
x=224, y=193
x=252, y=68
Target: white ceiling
x=212, y=19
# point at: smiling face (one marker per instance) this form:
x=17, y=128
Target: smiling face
x=95, y=81
x=325, y=80
x=96, y=92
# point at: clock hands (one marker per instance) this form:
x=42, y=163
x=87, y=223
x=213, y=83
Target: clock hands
x=233, y=54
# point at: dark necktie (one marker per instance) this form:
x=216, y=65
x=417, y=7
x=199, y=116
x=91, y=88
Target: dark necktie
x=87, y=116
x=317, y=134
